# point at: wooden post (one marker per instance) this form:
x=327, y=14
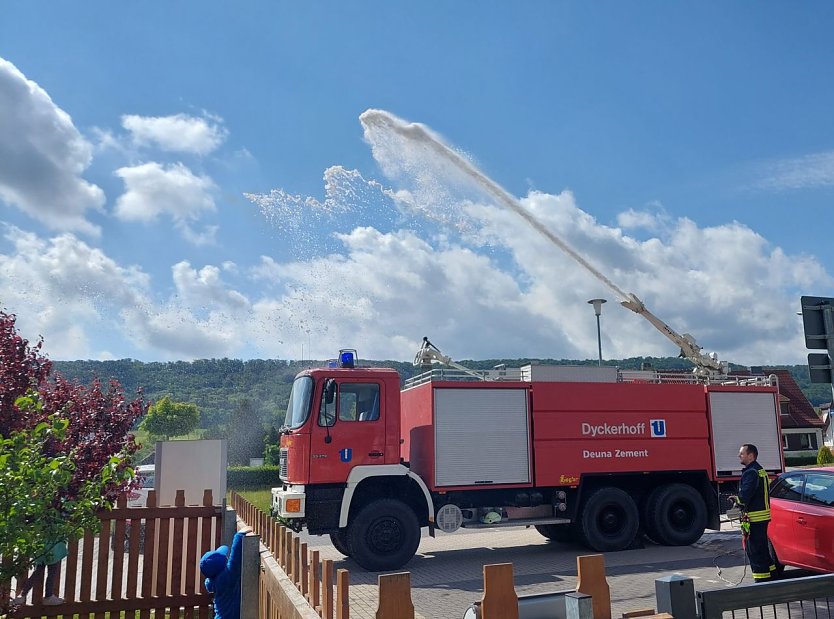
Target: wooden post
x=395, y=597
x=591, y=580
x=327, y=588
x=342, y=594
x=313, y=588
x=304, y=576
x=500, y=600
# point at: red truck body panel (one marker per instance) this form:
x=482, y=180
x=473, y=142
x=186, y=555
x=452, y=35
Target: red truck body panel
x=577, y=429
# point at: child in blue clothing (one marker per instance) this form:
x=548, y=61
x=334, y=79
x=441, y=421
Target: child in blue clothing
x=223, y=576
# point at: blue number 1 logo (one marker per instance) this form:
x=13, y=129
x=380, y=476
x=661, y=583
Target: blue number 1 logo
x=346, y=454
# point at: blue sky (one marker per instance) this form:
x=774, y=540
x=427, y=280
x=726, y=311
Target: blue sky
x=188, y=180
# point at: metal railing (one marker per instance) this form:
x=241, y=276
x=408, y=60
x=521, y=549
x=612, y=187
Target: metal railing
x=812, y=596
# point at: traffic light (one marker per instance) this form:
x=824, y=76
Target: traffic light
x=818, y=324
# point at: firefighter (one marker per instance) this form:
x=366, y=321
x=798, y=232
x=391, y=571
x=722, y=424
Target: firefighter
x=754, y=500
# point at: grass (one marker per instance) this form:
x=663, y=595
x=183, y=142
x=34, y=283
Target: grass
x=259, y=497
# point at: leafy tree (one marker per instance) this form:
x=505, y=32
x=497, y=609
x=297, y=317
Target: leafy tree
x=167, y=418
x=824, y=456
x=39, y=496
x=100, y=418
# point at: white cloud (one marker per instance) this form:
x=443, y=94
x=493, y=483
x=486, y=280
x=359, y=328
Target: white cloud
x=178, y=133
x=205, y=287
x=42, y=157
x=152, y=189
x=806, y=172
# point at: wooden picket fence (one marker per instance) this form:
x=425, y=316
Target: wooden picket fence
x=321, y=595
x=121, y=570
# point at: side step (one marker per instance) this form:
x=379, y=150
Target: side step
x=519, y=522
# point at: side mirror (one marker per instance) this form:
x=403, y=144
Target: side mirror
x=329, y=391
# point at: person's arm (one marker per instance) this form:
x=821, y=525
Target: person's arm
x=747, y=486
x=235, y=555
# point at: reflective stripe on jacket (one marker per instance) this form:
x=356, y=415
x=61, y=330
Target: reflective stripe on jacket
x=753, y=493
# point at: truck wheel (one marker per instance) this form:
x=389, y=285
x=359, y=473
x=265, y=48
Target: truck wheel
x=384, y=535
x=609, y=520
x=676, y=514
x=339, y=541
x=557, y=532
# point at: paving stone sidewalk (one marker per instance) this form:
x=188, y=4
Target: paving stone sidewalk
x=447, y=573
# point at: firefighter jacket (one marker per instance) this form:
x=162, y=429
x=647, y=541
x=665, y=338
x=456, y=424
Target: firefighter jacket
x=753, y=493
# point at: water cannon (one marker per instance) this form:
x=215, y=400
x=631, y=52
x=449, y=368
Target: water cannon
x=429, y=353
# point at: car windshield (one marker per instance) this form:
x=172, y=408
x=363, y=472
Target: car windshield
x=298, y=408
x=146, y=480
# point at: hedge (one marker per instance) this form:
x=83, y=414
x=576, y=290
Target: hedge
x=800, y=460
x=247, y=477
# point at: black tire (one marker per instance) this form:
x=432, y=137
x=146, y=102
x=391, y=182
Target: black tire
x=609, y=520
x=564, y=533
x=384, y=535
x=339, y=541
x=676, y=515
x=780, y=568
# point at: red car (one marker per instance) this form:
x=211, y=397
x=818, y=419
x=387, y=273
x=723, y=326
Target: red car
x=801, y=530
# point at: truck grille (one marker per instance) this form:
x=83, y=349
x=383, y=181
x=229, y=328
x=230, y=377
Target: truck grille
x=283, y=456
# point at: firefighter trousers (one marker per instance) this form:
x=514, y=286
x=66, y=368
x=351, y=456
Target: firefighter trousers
x=758, y=553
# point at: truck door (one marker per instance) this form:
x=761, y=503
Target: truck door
x=350, y=429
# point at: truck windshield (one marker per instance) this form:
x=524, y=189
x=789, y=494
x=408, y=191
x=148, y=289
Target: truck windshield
x=298, y=408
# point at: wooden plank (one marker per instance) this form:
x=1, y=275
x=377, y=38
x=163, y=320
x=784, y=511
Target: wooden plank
x=342, y=594
x=296, y=561
x=327, y=588
x=134, y=549
x=591, y=581
x=303, y=571
x=499, y=600
x=178, y=547
x=71, y=571
x=149, y=556
x=87, y=567
x=313, y=588
x=163, y=560
x=102, y=569
x=645, y=612
x=117, y=584
x=192, y=558
x=395, y=597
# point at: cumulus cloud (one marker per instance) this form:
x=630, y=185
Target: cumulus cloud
x=178, y=133
x=153, y=189
x=43, y=157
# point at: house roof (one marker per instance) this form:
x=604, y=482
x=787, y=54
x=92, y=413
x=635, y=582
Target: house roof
x=798, y=411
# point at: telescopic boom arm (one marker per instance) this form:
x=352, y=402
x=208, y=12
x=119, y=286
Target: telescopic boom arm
x=704, y=364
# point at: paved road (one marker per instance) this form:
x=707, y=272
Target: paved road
x=447, y=574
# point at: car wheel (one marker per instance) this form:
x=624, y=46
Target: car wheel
x=384, y=535
x=558, y=532
x=676, y=515
x=609, y=520
x=780, y=569
x=339, y=541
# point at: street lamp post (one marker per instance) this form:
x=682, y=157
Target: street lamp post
x=597, y=303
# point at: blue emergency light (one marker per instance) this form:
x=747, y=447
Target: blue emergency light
x=347, y=358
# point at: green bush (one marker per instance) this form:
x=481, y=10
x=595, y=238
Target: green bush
x=824, y=456
x=252, y=477
x=800, y=460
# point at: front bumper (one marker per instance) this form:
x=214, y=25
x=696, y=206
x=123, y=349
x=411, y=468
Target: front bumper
x=289, y=501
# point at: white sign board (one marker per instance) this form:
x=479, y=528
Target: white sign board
x=193, y=466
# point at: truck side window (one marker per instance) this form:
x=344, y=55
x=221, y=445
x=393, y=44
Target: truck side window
x=358, y=402
x=327, y=410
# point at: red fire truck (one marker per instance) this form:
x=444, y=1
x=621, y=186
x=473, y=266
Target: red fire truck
x=585, y=453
